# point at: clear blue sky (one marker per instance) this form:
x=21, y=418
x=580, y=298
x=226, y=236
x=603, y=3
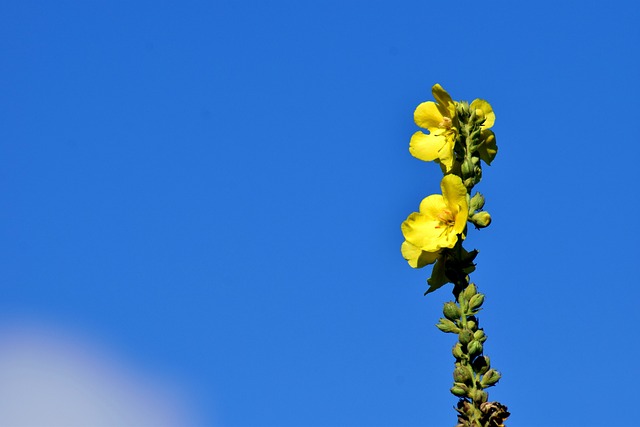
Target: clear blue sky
x=214, y=191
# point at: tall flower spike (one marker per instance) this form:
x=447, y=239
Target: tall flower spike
x=440, y=120
x=459, y=138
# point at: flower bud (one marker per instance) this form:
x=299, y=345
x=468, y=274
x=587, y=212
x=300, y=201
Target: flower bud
x=481, y=219
x=457, y=351
x=476, y=301
x=474, y=348
x=460, y=390
x=490, y=378
x=462, y=375
x=469, y=291
x=480, y=336
x=451, y=311
x=446, y=325
x=480, y=396
x=465, y=336
x=467, y=168
x=472, y=325
x=476, y=203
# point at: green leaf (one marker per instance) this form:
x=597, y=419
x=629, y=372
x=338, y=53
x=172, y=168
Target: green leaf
x=438, y=277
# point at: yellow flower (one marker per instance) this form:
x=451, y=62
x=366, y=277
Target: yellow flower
x=439, y=119
x=487, y=148
x=442, y=218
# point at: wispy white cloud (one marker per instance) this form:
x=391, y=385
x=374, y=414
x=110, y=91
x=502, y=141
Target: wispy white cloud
x=54, y=379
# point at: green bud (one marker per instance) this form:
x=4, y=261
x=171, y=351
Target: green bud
x=472, y=325
x=480, y=396
x=469, y=291
x=465, y=336
x=481, y=219
x=462, y=375
x=451, y=311
x=464, y=304
x=469, y=183
x=481, y=365
x=490, y=378
x=460, y=390
x=467, y=168
x=474, y=348
x=457, y=351
x=475, y=137
x=446, y=325
x=479, y=335
x=462, y=108
x=476, y=301
x=476, y=203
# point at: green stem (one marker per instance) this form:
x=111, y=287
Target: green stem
x=466, y=362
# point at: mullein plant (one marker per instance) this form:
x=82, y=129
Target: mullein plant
x=460, y=140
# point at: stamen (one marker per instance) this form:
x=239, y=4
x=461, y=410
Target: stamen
x=445, y=123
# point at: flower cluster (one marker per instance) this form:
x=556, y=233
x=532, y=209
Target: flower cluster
x=458, y=139
x=445, y=124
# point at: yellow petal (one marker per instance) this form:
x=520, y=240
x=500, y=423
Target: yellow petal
x=432, y=206
x=426, y=147
x=454, y=194
x=448, y=239
x=427, y=116
x=445, y=153
x=416, y=257
x=448, y=106
x=423, y=232
x=490, y=116
x=488, y=148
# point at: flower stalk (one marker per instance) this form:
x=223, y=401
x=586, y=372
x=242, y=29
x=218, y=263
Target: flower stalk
x=459, y=139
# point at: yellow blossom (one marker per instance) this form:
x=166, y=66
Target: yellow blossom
x=440, y=119
x=487, y=148
x=440, y=222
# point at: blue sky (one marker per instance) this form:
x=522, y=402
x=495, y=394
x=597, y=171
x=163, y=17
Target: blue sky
x=214, y=191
